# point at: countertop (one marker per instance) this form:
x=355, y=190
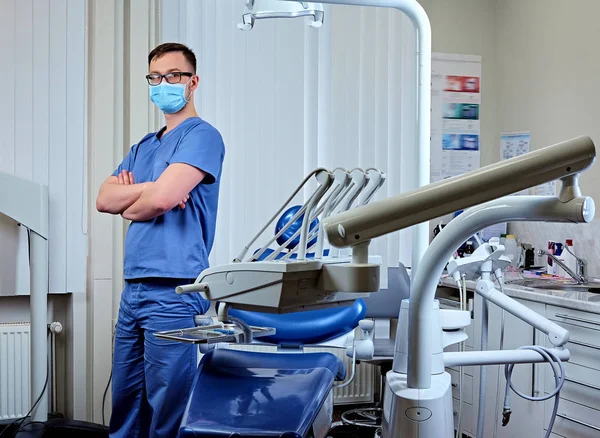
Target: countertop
x=584, y=301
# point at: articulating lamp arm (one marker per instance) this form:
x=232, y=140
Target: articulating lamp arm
x=472, y=188
x=556, y=334
x=491, y=182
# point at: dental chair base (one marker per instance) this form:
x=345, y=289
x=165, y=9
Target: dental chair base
x=423, y=413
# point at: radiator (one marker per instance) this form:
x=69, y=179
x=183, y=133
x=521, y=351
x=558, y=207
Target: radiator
x=361, y=390
x=14, y=370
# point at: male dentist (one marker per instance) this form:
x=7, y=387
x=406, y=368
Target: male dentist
x=168, y=187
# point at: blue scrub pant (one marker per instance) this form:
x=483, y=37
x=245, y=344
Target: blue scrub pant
x=152, y=377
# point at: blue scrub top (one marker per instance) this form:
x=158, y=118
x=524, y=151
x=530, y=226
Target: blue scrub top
x=176, y=244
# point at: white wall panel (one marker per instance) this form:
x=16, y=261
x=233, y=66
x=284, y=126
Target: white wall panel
x=7, y=76
x=57, y=177
x=43, y=124
x=289, y=98
x=76, y=184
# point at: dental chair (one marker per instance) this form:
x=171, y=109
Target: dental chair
x=225, y=401
x=290, y=393
x=279, y=400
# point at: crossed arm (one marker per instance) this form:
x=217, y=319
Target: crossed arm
x=145, y=201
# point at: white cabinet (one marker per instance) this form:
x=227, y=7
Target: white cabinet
x=579, y=403
x=579, y=407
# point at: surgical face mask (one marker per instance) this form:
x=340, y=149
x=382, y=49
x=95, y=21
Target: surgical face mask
x=169, y=98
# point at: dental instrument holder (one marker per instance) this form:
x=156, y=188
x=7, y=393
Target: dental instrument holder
x=359, y=181
x=364, y=192
x=302, y=283
x=325, y=180
x=340, y=181
x=322, y=177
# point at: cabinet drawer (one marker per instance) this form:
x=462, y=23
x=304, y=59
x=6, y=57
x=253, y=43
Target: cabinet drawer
x=582, y=385
x=584, y=345
x=580, y=334
x=467, y=421
x=584, y=319
x=573, y=420
x=467, y=391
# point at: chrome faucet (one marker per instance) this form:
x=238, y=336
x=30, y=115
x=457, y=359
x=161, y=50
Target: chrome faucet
x=580, y=276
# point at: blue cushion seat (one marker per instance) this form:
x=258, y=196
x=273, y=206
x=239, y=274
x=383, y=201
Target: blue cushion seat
x=251, y=394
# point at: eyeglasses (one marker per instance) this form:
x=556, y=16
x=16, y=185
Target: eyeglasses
x=172, y=78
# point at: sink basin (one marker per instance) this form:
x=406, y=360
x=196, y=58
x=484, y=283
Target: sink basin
x=563, y=285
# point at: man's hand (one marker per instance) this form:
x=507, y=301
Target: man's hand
x=126, y=178
x=118, y=193
x=183, y=201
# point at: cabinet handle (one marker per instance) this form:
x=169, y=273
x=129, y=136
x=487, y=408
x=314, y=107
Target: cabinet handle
x=583, y=344
x=579, y=422
x=574, y=318
x=597, y=388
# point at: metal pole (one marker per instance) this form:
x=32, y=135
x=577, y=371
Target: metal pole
x=39, y=324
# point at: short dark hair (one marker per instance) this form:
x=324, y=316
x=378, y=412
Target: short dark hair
x=173, y=47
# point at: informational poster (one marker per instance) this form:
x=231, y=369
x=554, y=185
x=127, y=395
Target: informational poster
x=513, y=144
x=548, y=189
x=518, y=143
x=455, y=114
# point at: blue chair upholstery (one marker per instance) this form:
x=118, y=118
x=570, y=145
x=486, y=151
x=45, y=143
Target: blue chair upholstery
x=306, y=328
x=249, y=394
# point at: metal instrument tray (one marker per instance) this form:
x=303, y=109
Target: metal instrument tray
x=212, y=334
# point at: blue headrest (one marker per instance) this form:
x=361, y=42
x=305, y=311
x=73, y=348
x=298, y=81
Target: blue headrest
x=306, y=328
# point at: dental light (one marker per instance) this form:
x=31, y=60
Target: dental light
x=260, y=9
